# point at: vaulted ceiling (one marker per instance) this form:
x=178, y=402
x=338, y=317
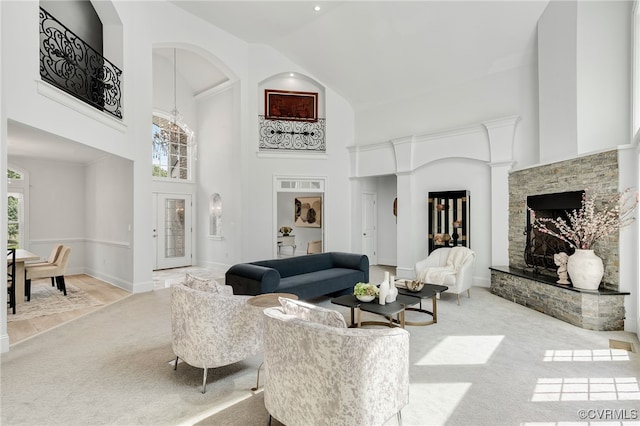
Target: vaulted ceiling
x=372, y=52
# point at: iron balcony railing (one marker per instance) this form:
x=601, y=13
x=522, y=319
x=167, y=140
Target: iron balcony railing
x=70, y=64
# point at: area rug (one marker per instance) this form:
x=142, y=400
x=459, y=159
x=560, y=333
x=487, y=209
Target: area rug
x=48, y=300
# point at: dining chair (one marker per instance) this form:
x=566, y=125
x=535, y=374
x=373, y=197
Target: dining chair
x=11, y=274
x=314, y=247
x=11, y=278
x=55, y=270
x=55, y=252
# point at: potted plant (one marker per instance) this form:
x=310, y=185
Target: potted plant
x=365, y=292
x=585, y=226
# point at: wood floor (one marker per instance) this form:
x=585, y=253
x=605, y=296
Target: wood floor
x=99, y=290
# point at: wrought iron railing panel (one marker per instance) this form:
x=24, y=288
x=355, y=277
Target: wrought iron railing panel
x=284, y=135
x=70, y=64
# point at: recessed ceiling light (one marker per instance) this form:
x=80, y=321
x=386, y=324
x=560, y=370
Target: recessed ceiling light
x=316, y=8
x=292, y=75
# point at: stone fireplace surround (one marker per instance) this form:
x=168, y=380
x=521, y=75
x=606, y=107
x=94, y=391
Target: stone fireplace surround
x=602, y=310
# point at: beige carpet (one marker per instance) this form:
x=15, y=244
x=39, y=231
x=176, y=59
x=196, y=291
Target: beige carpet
x=48, y=300
x=486, y=362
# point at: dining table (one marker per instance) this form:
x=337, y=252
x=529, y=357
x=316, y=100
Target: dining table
x=22, y=256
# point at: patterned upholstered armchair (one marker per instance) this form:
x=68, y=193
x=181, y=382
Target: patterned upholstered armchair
x=211, y=327
x=319, y=372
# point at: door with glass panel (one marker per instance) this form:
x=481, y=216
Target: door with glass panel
x=172, y=231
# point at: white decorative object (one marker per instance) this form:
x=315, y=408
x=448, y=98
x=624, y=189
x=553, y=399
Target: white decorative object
x=393, y=291
x=383, y=292
x=365, y=298
x=560, y=259
x=585, y=269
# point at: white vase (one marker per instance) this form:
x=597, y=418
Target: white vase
x=383, y=292
x=585, y=269
x=393, y=291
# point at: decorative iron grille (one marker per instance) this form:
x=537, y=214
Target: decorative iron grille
x=70, y=64
x=540, y=248
x=292, y=135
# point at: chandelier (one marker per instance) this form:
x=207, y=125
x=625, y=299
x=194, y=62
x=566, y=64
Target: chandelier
x=172, y=136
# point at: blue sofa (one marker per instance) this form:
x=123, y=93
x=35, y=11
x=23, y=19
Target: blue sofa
x=312, y=275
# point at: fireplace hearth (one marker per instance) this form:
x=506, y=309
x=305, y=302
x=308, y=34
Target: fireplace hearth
x=540, y=247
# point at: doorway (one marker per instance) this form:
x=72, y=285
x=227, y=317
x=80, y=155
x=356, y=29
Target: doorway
x=172, y=231
x=291, y=195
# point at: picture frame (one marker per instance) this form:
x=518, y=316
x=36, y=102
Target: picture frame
x=308, y=212
x=290, y=105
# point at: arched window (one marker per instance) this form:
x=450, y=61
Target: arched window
x=172, y=149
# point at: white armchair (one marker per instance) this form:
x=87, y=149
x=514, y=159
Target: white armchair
x=321, y=374
x=450, y=266
x=211, y=327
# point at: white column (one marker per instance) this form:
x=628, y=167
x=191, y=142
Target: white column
x=501, y=135
x=500, y=213
x=406, y=239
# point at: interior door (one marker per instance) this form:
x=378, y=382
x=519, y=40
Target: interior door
x=172, y=230
x=369, y=219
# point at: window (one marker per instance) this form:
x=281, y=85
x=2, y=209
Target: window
x=172, y=149
x=15, y=209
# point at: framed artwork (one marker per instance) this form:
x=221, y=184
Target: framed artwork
x=292, y=106
x=308, y=212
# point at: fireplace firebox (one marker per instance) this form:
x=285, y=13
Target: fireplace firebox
x=540, y=247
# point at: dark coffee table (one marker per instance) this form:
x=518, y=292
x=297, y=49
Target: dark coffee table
x=429, y=291
x=388, y=310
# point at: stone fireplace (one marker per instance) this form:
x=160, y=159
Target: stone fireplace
x=530, y=278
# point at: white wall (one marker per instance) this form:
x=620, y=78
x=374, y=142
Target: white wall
x=216, y=172
x=257, y=169
x=455, y=160
x=56, y=212
x=512, y=92
x=557, y=80
x=604, y=74
x=584, y=53
x=86, y=207
x=163, y=99
x=109, y=221
x=387, y=223
x=441, y=176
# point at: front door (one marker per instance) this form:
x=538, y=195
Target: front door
x=172, y=231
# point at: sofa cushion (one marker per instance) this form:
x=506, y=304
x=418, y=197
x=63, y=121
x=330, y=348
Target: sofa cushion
x=312, y=313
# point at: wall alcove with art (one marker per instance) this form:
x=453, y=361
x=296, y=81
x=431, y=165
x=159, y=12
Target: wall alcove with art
x=291, y=115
